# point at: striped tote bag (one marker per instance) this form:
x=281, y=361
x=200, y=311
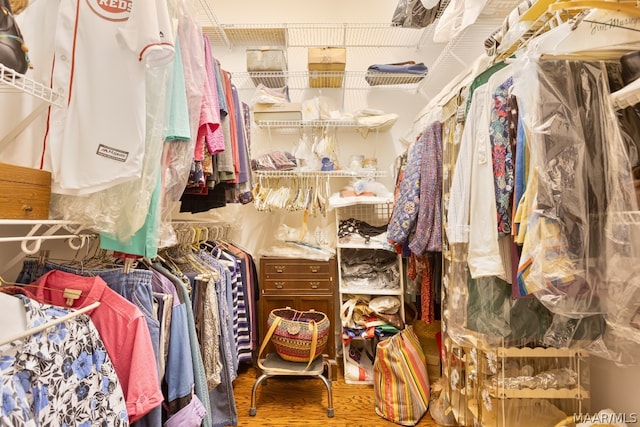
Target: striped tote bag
x=401, y=382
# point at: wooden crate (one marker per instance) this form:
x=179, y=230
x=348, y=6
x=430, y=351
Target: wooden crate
x=24, y=192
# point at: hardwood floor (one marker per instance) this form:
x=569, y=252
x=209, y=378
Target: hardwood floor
x=285, y=402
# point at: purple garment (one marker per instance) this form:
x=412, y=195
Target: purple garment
x=243, y=174
x=189, y=416
x=428, y=235
x=405, y=210
x=161, y=284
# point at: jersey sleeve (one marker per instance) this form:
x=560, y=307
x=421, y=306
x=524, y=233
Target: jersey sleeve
x=148, y=32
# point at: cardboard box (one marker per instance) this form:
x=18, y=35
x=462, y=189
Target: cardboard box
x=282, y=111
x=24, y=192
x=269, y=61
x=326, y=66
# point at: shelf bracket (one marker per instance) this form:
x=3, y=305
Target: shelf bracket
x=23, y=124
x=75, y=240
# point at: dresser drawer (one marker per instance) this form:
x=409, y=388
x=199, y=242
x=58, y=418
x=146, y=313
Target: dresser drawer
x=273, y=268
x=24, y=192
x=297, y=286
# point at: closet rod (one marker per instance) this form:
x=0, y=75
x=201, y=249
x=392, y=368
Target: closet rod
x=43, y=237
x=48, y=325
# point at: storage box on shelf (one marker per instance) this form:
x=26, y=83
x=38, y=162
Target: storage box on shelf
x=298, y=283
x=323, y=60
x=359, y=352
x=24, y=192
x=267, y=60
x=279, y=111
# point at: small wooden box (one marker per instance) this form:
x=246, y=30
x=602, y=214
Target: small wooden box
x=24, y=192
x=326, y=66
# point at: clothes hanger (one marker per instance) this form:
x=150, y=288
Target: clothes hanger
x=4, y=282
x=627, y=7
x=573, y=38
x=45, y=326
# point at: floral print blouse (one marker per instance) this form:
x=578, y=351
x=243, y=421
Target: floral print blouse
x=59, y=377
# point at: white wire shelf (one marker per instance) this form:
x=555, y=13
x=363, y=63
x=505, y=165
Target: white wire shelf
x=29, y=86
x=311, y=34
x=325, y=79
x=457, y=55
x=361, y=245
x=305, y=123
x=376, y=214
x=326, y=174
x=369, y=291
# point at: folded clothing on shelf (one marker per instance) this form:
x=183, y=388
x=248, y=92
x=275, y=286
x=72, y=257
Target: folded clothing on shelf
x=408, y=72
x=275, y=160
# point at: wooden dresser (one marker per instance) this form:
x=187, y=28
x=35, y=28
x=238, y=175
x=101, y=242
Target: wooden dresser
x=302, y=284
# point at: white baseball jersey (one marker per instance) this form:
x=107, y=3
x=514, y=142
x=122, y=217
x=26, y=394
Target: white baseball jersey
x=101, y=50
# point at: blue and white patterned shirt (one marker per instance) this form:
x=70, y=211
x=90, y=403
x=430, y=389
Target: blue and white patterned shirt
x=59, y=377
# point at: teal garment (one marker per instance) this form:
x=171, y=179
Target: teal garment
x=145, y=241
x=201, y=390
x=178, y=125
x=482, y=79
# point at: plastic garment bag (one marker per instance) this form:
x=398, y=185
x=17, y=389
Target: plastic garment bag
x=414, y=14
x=121, y=210
x=178, y=154
x=581, y=249
x=457, y=16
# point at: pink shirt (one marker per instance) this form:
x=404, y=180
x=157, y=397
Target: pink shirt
x=123, y=330
x=209, y=131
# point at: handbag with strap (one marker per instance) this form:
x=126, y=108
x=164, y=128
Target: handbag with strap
x=401, y=382
x=13, y=50
x=298, y=336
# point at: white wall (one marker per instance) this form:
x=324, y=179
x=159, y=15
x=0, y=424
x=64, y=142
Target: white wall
x=615, y=387
x=255, y=230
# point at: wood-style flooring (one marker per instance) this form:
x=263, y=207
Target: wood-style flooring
x=301, y=401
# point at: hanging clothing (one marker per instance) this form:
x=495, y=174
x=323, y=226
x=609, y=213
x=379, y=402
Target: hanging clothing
x=135, y=38
x=122, y=328
x=502, y=155
x=64, y=374
x=405, y=209
x=200, y=379
x=428, y=236
x=474, y=165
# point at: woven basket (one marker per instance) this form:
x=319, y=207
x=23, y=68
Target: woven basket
x=293, y=336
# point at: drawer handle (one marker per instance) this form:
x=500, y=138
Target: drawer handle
x=314, y=285
x=279, y=285
x=279, y=268
x=314, y=268
x=27, y=208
